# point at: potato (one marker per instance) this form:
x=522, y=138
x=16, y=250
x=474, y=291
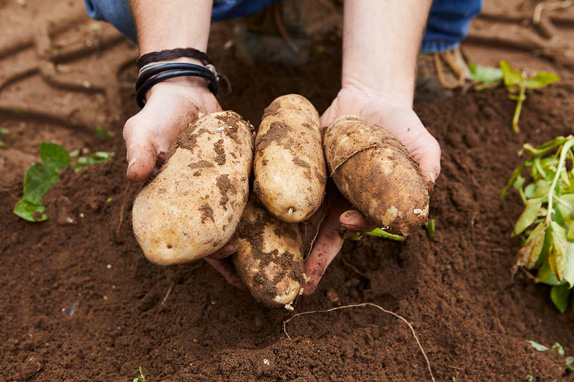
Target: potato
x=375, y=172
x=269, y=259
x=289, y=165
x=192, y=207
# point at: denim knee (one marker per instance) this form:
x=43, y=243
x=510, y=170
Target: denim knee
x=115, y=12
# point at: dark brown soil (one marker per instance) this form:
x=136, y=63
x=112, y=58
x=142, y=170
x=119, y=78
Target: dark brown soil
x=79, y=302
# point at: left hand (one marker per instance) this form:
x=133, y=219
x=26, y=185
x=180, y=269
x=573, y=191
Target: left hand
x=336, y=212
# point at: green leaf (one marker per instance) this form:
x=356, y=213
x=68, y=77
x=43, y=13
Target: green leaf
x=558, y=248
x=38, y=179
x=3, y=131
x=485, y=74
x=542, y=188
x=510, y=75
x=541, y=80
x=30, y=211
x=101, y=132
x=430, y=226
x=569, y=267
x=528, y=216
x=530, y=251
x=559, y=349
x=513, y=179
x=378, y=232
x=565, y=205
x=537, y=346
x=97, y=157
x=54, y=156
x=559, y=295
x=571, y=232
x=545, y=275
x=530, y=190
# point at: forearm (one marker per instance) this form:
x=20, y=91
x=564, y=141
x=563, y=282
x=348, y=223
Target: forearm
x=381, y=40
x=172, y=24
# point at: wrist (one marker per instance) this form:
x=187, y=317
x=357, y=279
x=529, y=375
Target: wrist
x=183, y=83
x=396, y=95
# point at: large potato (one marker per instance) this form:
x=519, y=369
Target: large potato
x=289, y=165
x=269, y=259
x=375, y=172
x=192, y=207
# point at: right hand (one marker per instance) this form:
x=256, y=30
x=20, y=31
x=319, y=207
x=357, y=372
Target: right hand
x=171, y=106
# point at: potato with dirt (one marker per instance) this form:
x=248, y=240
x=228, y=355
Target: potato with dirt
x=375, y=172
x=192, y=207
x=289, y=165
x=269, y=260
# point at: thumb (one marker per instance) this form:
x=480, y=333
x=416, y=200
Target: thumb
x=141, y=149
x=427, y=153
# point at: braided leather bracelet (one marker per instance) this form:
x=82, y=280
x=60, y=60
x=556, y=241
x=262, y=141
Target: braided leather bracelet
x=151, y=75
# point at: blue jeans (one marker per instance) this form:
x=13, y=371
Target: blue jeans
x=447, y=24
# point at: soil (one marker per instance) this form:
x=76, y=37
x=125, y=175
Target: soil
x=79, y=302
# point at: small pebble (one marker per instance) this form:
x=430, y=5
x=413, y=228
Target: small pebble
x=31, y=366
x=332, y=296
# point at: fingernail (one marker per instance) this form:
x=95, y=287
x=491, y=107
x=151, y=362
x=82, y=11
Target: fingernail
x=433, y=176
x=131, y=162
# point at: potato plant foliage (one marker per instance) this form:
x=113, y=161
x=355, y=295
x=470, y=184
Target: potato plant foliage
x=547, y=222
x=514, y=81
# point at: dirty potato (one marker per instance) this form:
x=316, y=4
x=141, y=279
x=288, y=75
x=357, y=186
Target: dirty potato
x=375, y=172
x=192, y=207
x=289, y=164
x=269, y=259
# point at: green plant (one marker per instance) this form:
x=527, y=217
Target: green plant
x=101, y=132
x=485, y=77
x=141, y=378
x=547, y=222
x=80, y=162
x=40, y=177
x=430, y=226
x=516, y=84
x=3, y=131
x=377, y=232
x=568, y=361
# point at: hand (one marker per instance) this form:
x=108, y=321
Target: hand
x=403, y=122
x=171, y=106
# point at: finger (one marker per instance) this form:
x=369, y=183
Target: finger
x=228, y=250
x=224, y=268
x=310, y=228
x=428, y=158
x=141, y=151
x=353, y=220
x=327, y=246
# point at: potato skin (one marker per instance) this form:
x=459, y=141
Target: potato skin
x=375, y=172
x=269, y=259
x=192, y=207
x=289, y=164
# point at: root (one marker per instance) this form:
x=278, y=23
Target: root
x=171, y=286
x=121, y=219
x=317, y=231
x=353, y=268
x=374, y=306
x=352, y=155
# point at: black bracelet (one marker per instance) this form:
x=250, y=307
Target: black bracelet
x=152, y=76
x=170, y=54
